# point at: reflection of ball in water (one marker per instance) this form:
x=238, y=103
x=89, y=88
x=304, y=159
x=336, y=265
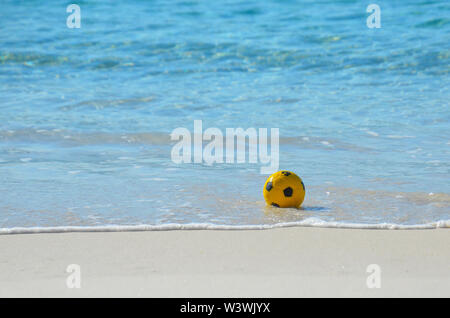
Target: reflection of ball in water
x=284, y=189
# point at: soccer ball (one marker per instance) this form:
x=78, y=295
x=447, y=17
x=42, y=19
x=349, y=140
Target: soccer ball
x=284, y=189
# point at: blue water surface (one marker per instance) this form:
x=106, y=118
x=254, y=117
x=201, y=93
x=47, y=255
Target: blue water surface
x=86, y=113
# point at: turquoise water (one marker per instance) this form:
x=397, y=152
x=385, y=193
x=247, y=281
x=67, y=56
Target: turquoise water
x=86, y=113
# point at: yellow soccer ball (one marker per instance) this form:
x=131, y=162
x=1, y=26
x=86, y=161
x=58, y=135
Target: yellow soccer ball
x=284, y=189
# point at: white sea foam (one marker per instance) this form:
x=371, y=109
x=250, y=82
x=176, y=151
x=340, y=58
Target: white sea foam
x=309, y=222
x=372, y=133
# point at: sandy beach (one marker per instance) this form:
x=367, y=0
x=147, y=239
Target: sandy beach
x=289, y=262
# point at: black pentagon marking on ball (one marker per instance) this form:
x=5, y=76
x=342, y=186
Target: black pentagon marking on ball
x=303, y=185
x=274, y=204
x=269, y=186
x=286, y=173
x=288, y=192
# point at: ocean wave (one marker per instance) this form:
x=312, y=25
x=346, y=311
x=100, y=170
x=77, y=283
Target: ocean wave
x=83, y=138
x=433, y=23
x=309, y=222
x=76, y=138
x=194, y=57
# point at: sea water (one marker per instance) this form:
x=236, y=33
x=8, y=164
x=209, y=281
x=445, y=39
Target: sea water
x=86, y=113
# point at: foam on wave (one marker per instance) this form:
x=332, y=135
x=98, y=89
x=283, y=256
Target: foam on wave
x=310, y=222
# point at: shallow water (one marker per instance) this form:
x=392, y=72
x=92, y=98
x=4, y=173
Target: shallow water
x=86, y=113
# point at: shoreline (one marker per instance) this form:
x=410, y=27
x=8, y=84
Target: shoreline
x=283, y=262
x=307, y=223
